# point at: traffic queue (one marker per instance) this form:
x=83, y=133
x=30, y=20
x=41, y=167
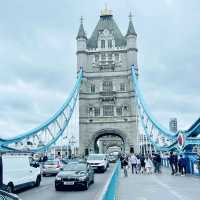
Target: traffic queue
x=19, y=171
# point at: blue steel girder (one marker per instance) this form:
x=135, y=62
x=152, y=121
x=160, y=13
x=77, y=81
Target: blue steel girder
x=145, y=109
x=56, y=123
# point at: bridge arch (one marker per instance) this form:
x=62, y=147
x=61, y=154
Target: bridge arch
x=116, y=136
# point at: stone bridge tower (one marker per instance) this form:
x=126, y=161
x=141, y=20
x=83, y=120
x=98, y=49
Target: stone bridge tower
x=107, y=98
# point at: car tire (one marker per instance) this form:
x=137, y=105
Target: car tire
x=92, y=181
x=57, y=188
x=38, y=180
x=86, y=186
x=10, y=188
x=44, y=175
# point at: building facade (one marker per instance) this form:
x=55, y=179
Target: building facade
x=173, y=125
x=107, y=97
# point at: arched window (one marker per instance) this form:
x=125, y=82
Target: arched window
x=108, y=110
x=110, y=44
x=103, y=44
x=92, y=88
x=107, y=86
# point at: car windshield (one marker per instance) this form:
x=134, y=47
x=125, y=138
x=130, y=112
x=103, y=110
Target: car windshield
x=96, y=157
x=51, y=162
x=74, y=167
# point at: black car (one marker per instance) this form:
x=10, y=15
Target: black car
x=74, y=175
x=8, y=196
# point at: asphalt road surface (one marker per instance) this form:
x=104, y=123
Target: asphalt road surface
x=46, y=191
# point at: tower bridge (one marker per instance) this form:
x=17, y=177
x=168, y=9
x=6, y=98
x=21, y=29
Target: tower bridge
x=110, y=106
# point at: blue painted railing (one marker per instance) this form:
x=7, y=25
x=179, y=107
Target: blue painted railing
x=111, y=188
x=193, y=165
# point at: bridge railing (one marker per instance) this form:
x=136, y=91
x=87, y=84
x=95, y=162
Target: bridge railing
x=193, y=165
x=111, y=188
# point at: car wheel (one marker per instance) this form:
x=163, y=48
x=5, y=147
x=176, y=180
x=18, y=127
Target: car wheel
x=92, y=181
x=86, y=186
x=37, y=182
x=44, y=175
x=10, y=188
x=57, y=188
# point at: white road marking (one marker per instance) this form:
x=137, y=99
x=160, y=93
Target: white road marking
x=170, y=190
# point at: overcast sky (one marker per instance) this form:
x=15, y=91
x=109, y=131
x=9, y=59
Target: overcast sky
x=38, y=60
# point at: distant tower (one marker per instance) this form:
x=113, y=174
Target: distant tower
x=173, y=125
x=107, y=97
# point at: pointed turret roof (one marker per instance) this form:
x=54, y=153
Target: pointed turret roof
x=106, y=21
x=131, y=29
x=81, y=32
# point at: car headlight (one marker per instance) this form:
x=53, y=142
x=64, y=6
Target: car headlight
x=58, y=178
x=82, y=178
x=101, y=164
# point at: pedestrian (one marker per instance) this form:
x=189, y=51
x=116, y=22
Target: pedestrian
x=142, y=159
x=125, y=165
x=182, y=165
x=133, y=161
x=175, y=156
x=159, y=161
x=138, y=167
x=148, y=165
x=171, y=162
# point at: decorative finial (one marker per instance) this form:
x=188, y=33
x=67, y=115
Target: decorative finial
x=81, y=19
x=106, y=12
x=130, y=17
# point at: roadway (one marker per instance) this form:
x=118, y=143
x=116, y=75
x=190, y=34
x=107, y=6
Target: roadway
x=46, y=191
x=156, y=187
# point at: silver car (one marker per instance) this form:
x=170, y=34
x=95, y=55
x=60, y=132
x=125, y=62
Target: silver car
x=51, y=167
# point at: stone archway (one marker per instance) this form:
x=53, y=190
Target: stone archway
x=107, y=132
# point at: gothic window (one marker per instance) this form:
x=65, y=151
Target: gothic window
x=103, y=56
x=110, y=56
x=90, y=111
x=117, y=57
x=92, y=88
x=96, y=111
x=103, y=44
x=110, y=45
x=107, y=86
x=122, y=87
x=119, y=111
x=125, y=108
x=108, y=110
x=96, y=58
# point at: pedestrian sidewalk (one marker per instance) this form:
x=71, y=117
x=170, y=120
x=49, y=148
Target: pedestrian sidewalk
x=156, y=187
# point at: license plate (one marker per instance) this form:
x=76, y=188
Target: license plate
x=69, y=183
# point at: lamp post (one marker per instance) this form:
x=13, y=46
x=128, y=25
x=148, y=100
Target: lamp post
x=72, y=143
x=62, y=145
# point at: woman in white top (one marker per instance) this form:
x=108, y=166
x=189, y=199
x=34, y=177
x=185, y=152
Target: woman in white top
x=148, y=165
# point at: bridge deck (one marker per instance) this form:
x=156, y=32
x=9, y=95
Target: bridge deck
x=156, y=187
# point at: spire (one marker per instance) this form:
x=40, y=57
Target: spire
x=106, y=12
x=81, y=32
x=131, y=29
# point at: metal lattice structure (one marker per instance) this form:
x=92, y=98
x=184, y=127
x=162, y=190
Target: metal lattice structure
x=160, y=137
x=44, y=136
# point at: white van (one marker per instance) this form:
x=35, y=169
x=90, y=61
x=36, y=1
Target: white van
x=18, y=173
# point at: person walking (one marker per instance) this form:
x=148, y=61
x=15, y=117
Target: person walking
x=175, y=156
x=133, y=161
x=148, y=165
x=142, y=159
x=171, y=162
x=125, y=165
x=138, y=166
x=182, y=165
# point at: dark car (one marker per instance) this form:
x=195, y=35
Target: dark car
x=8, y=196
x=74, y=175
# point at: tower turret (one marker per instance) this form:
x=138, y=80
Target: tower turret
x=81, y=46
x=131, y=38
